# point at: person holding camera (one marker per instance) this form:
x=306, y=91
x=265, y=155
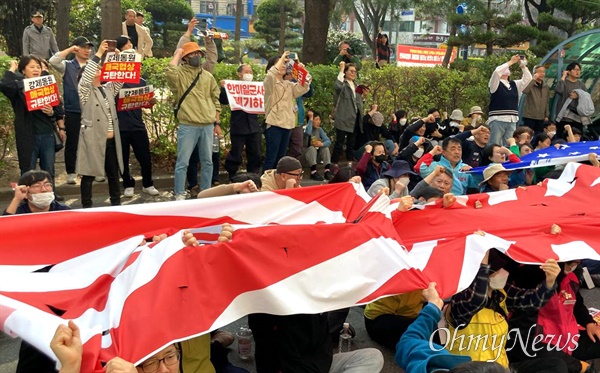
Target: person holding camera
x=347, y=56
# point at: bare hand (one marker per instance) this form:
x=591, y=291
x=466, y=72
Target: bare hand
x=14, y=65
x=342, y=66
x=573, y=95
x=439, y=170
x=218, y=131
x=420, y=141
x=465, y=168
x=226, y=233
x=368, y=148
x=48, y=110
x=564, y=75
x=355, y=179
x=429, y=119
x=291, y=183
x=552, y=270
x=384, y=191
x=310, y=115
x=511, y=141
x=118, y=365
x=593, y=331
x=461, y=128
x=178, y=53
x=247, y=186
x=437, y=150
x=399, y=187
x=568, y=126
x=62, y=135
x=20, y=192
x=514, y=59
x=555, y=229
x=192, y=25
x=103, y=47
x=448, y=200
x=396, y=149
x=502, y=187
x=159, y=237
x=593, y=158
x=66, y=345
x=406, y=203
x=188, y=239
x=374, y=107
x=478, y=204
x=431, y=295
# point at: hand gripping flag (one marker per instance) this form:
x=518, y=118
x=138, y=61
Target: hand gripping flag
x=296, y=251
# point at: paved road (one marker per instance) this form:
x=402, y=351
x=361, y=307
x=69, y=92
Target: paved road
x=9, y=347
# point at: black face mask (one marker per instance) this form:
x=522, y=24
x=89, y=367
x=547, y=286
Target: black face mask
x=380, y=158
x=44, y=73
x=194, y=61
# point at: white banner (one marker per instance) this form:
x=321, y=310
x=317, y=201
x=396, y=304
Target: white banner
x=246, y=96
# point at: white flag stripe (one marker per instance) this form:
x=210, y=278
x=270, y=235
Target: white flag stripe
x=575, y=250
x=502, y=196
x=421, y=252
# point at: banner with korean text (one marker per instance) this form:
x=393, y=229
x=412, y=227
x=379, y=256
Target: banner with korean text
x=246, y=96
x=409, y=55
x=123, y=67
x=135, y=98
x=41, y=91
x=300, y=74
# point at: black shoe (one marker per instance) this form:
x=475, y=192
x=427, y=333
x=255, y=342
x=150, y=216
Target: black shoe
x=58, y=197
x=316, y=177
x=194, y=191
x=328, y=176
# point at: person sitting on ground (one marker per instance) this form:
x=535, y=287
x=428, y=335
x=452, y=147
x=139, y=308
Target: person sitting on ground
x=318, y=147
x=394, y=182
x=495, y=178
x=372, y=130
x=241, y=183
x=398, y=124
x=522, y=135
x=549, y=129
x=427, y=194
x=34, y=192
x=416, y=128
x=441, y=179
x=345, y=174
x=572, y=134
x=412, y=153
x=451, y=126
x=451, y=151
x=372, y=164
x=287, y=175
x=474, y=119
x=496, y=154
x=483, y=308
x=473, y=142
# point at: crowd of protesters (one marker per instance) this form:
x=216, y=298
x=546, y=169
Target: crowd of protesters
x=417, y=160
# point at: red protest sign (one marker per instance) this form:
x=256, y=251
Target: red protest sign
x=300, y=74
x=41, y=91
x=135, y=98
x=124, y=67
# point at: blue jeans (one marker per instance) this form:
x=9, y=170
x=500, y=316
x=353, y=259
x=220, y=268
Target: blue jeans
x=500, y=132
x=188, y=138
x=43, y=149
x=277, y=140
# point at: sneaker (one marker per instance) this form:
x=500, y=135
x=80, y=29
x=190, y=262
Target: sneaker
x=99, y=179
x=151, y=190
x=128, y=192
x=71, y=179
x=223, y=337
x=215, y=183
x=328, y=176
x=194, y=191
x=316, y=177
x=180, y=197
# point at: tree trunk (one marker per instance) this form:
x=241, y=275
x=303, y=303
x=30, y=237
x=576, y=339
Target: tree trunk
x=63, y=8
x=110, y=11
x=316, y=14
x=449, y=47
x=238, y=31
x=489, y=44
x=282, y=25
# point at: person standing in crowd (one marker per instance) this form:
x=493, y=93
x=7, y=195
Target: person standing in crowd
x=34, y=130
x=134, y=134
x=280, y=95
x=141, y=40
x=197, y=113
x=347, y=111
x=99, y=150
x=38, y=39
x=504, y=100
x=347, y=56
x=568, y=83
x=139, y=20
x=383, y=49
x=244, y=132
x=535, y=108
x=81, y=47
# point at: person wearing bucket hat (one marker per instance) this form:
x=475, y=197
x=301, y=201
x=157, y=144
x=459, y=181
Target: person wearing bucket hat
x=395, y=180
x=373, y=129
x=474, y=118
x=451, y=126
x=81, y=47
x=504, y=100
x=197, y=113
x=495, y=178
x=38, y=39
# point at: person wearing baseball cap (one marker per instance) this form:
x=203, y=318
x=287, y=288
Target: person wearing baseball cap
x=38, y=39
x=81, y=47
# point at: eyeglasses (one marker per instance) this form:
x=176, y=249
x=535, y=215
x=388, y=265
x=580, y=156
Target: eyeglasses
x=152, y=366
x=40, y=186
x=297, y=176
x=351, y=71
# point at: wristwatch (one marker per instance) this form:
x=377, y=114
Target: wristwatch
x=62, y=129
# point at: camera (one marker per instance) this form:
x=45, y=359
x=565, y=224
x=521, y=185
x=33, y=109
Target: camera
x=292, y=56
x=350, y=51
x=522, y=57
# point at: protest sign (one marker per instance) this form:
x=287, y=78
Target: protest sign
x=246, y=96
x=409, y=55
x=135, y=98
x=41, y=91
x=123, y=67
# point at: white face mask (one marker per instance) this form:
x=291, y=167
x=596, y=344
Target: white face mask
x=247, y=77
x=418, y=153
x=454, y=124
x=498, y=279
x=571, y=267
x=41, y=200
x=551, y=133
x=403, y=121
x=404, y=180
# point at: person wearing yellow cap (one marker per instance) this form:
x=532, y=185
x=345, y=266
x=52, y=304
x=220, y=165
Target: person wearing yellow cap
x=38, y=39
x=196, y=93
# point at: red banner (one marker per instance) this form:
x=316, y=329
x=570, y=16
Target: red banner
x=124, y=67
x=41, y=91
x=135, y=98
x=409, y=55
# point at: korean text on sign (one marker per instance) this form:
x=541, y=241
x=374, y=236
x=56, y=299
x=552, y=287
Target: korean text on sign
x=41, y=91
x=124, y=67
x=246, y=96
x=135, y=98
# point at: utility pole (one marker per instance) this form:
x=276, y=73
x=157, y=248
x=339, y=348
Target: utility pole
x=238, y=30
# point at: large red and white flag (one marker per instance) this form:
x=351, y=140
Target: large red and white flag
x=300, y=251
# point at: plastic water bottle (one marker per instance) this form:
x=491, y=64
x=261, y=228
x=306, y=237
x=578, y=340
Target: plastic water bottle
x=244, y=338
x=345, y=339
x=215, y=143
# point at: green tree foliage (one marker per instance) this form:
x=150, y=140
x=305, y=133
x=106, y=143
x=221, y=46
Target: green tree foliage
x=7, y=133
x=16, y=15
x=579, y=15
x=85, y=19
x=268, y=24
x=335, y=37
x=171, y=15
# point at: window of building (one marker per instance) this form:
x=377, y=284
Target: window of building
x=232, y=9
x=208, y=7
x=406, y=26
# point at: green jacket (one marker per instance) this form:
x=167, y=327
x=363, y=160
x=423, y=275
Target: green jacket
x=200, y=106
